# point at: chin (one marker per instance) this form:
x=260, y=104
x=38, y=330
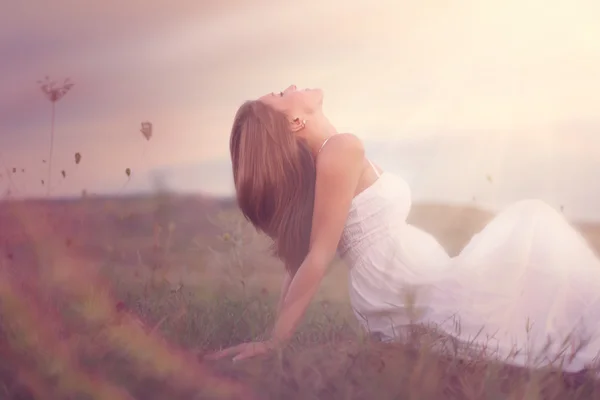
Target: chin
x=318, y=93
x=313, y=99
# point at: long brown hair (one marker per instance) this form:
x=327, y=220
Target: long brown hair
x=274, y=174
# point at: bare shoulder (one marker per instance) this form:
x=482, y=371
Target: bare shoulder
x=341, y=149
x=345, y=141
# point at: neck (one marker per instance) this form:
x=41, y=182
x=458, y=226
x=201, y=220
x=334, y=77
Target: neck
x=318, y=129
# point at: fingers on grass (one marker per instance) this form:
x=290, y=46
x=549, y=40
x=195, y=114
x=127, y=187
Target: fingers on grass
x=226, y=352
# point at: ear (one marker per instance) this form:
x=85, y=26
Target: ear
x=297, y=124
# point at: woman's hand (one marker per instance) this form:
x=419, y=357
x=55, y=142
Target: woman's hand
x=243, y=351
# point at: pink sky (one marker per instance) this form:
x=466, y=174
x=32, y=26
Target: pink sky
x=454, y=91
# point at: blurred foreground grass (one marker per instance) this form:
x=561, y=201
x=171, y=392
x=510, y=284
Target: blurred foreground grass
x=119, y=299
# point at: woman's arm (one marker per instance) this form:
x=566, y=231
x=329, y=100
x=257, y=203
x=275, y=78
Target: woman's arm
x=287, y=279
x=338, y=172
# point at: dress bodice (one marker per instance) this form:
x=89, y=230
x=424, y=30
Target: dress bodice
x=374, y=211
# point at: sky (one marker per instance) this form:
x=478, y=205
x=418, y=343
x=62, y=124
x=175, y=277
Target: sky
x=478, y=102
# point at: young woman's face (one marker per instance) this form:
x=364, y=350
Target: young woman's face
x=293, y=102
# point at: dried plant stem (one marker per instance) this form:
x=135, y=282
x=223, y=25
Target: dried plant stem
x=53, y=93
x=48, y=187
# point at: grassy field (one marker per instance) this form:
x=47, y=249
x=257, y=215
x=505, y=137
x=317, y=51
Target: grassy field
x=119, y=298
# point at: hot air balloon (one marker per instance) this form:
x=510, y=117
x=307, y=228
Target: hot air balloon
x=77, y=158
x=128, y=172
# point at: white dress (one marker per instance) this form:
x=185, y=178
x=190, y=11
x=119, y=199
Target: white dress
x=526, y=278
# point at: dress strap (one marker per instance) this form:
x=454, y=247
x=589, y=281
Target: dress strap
x=323, y=145
x=372, y=165
x=374, y=169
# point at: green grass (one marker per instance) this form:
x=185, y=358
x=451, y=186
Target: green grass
x=95, y=303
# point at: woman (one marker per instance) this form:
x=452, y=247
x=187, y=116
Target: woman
x=527, y=278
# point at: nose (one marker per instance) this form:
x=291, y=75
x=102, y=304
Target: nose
x=291, y=88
